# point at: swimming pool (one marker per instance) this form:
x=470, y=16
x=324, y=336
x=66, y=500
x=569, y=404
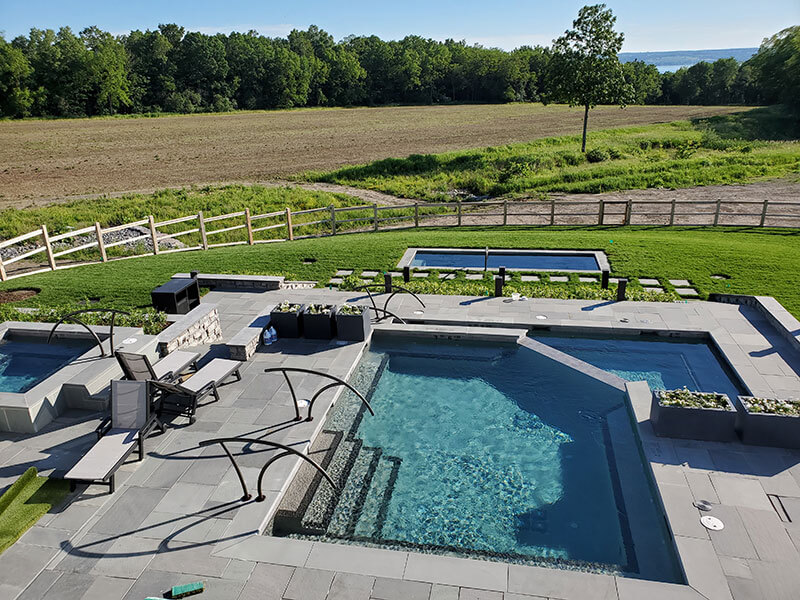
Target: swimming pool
x=491, y=451
x=664, y=363
x=26, y=361
x=519, y=260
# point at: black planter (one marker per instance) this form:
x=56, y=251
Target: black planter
x=767, y=429
x=320, y=326
x=287, y=324
x=709, y=424
x=353, y=328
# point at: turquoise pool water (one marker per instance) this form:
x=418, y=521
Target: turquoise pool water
x=26, y=362
x=498, y=452
x=665, y=364
x=509, y=259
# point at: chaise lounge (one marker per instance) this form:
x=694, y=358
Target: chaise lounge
x=182, y=398
x=137, y=367
x=131, y=421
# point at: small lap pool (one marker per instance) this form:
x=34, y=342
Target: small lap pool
x=664, y=363
x=490, y=451
x=518, y=260
x=26, y=361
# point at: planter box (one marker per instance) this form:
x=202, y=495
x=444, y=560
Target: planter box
x=709, y=424
x=287, y=324
x=319, y=327
x=767, y=429
x=353, y=328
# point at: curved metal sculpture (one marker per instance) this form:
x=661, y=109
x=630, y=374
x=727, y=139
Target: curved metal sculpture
x=367, y=287
x=336, y=381
x=287, y=451
x=386, y=315
x=72, y=317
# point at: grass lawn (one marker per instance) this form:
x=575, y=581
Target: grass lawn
x=733, y=148
x=25, y=502
x=758, y=261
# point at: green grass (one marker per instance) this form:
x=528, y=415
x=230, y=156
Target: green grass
x=735, y=148
x=758, y=261
x=165, y=205
x=25, y=502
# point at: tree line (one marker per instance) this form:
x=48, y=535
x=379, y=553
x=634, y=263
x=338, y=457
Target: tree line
x=168, y=69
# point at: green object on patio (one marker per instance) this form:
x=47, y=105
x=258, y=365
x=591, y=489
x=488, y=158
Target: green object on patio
x=187, y=589
x=25, y=502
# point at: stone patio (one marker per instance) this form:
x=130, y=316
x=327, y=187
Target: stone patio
x=177, y=516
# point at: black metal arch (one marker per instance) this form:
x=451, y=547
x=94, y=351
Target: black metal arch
x=72, y=317
x=367, y=287
x=336, y=381
x=386, y=315
x=287, y=451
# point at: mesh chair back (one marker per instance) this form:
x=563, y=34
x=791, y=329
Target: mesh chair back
x=130, y=404
x=136, y=367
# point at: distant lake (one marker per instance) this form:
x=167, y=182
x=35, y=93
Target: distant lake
x=665, y=68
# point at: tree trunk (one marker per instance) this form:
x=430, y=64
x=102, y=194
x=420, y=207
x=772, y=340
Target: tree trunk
x=585, y=121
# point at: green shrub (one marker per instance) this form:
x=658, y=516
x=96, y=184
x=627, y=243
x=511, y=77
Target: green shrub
x=596, y=155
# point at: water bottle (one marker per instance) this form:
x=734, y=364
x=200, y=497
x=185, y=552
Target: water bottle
x=273, y=335
x=266, y=337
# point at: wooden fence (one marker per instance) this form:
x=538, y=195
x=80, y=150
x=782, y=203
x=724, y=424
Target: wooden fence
x=287, y=225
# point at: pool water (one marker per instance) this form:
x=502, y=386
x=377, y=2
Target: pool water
x=510, y=260
x=665, y=364
x=496, y=451
x=26, y=362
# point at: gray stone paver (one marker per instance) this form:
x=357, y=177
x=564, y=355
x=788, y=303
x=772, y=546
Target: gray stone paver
x=688, y=292
x=559, y=278
x=648, y=281
x=680, y=282
x=397, y=589
x=177, y=517
x=529, y=277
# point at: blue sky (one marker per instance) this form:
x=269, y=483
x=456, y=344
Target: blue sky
x=648, y=25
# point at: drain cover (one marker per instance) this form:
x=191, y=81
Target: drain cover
x=712, y=523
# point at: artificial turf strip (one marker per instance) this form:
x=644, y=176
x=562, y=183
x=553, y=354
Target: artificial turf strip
x=758, y=261
x=25, y=502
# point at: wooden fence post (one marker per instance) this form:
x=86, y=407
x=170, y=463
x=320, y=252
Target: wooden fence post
x=2, y=270
x=672, y=213
x=153, y=234
x=505, y=212
x=101, y=244
x=716, y=213
x=375, y=217
x=249, y=224
x=416, y=214
x=458, y=207
x=628, y=210
x=552, y=212
x=601, y=212
x=764, y=212
x=333, y=220
x=289, y=228
x=202, y=225
x=49, y=248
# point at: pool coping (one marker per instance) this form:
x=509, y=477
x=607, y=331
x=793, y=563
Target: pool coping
x=28, y=412
x=599, y=256
x=453, y=570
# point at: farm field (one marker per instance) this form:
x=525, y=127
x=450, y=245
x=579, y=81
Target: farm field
x=43, y=160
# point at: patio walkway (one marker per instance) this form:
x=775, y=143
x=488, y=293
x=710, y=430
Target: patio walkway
x=177, y=516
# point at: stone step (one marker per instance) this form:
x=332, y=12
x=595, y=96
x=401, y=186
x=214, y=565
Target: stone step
x=354, y=494
x=379, y=495
x=298, y=496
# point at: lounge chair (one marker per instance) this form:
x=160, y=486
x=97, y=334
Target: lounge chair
x=131, y=421
x=198, y=386
x=137, y=367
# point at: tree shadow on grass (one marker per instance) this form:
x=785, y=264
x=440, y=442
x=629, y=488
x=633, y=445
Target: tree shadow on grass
x=771, y=123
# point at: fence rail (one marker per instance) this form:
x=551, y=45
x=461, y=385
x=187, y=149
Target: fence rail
x=331, y=220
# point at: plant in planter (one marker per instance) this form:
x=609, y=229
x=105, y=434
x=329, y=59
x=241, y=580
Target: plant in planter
x=693, y=415
x=352, y=322
x=769, y=421
x=285, y=318
x=318, y=322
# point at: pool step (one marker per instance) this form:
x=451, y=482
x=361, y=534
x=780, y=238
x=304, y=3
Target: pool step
x=379, y=495
x=301, y=491
x=354, y=494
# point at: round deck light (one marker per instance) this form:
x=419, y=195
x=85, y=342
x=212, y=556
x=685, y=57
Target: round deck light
x=541, y=317
x=128, y=341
